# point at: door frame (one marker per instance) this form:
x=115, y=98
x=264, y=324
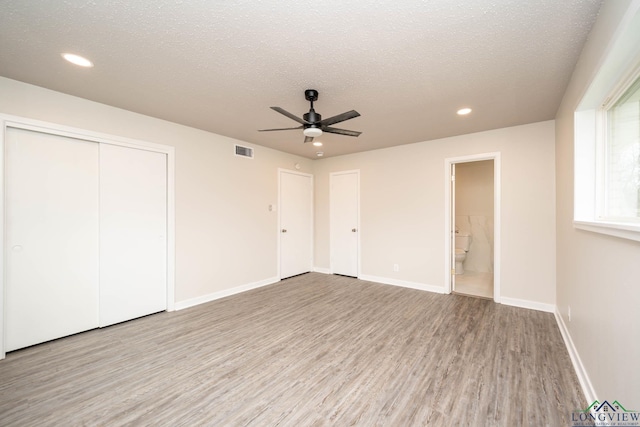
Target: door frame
x=312, y=219
x=358, y=243
x=497, y=183
x=16, y=122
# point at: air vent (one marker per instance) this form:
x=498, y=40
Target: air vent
x=244, y=151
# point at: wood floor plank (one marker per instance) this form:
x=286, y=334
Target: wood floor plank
x=313, y=350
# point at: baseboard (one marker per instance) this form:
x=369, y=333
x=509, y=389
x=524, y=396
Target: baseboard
x=322, y=270
x=222, y=294
x=532, y=305
x=403, y=284
x=581, y=372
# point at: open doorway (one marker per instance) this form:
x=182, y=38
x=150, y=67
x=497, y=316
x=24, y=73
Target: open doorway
x=473, y=224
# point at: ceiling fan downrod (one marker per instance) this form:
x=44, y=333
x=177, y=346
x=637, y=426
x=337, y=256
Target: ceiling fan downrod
x=311, y=117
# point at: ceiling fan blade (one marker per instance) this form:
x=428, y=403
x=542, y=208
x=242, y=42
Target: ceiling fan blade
x=291, y=116
x=269, y=130
x=308, y=139
x=341, y=131
x=340, y=118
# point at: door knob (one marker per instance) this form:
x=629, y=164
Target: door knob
x=353, y=230
x=284, y=230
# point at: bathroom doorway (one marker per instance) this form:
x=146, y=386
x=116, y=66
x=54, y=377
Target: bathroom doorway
x=472, y=228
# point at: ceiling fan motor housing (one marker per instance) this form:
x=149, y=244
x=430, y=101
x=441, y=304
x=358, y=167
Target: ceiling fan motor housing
x=312, y=117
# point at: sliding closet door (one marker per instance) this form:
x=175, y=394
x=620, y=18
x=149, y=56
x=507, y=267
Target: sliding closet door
x=51, y=237
x=133, y=229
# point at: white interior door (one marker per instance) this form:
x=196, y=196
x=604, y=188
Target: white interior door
x=51, y=237
x=296, y=223
x=133, y=228
x=344, y=196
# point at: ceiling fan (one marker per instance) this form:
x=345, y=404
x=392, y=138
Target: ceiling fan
x=312, y=124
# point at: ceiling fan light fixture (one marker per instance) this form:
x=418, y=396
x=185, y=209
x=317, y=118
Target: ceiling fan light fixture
x=312, y=132
x=317, y=144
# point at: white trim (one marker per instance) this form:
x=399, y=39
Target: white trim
x=581, y=372
x=358, y=230
x=7, y=121
x=77, y=133
x=532, y=305
x=171, y=229
x=181, y=305
x=2, y=241
x=404, y=284
x=322, y=270
x=497, y=203
x=312, y=195
x=623, y=230
x=453, y=226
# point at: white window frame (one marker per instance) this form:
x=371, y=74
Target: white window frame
x=618, y=70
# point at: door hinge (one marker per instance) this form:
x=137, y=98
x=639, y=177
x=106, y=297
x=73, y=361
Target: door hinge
x=453, y=271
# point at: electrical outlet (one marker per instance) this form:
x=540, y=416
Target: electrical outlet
x=396, y=267
x=569, y=313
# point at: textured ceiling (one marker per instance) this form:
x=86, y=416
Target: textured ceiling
x=406, y=66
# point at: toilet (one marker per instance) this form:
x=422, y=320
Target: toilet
x=462, y=247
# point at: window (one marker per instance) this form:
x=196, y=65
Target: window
x=607, y=139
x=621, y=170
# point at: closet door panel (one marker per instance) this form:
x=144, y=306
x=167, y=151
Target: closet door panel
x=133, y=227
x=51, y=237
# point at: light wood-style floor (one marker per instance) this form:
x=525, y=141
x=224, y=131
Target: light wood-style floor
x=309, y=351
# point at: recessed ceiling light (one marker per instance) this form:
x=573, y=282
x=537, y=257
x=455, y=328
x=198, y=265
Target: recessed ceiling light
x=317, y=144
x=464, y=111
x=77, y=60
x=319, y=154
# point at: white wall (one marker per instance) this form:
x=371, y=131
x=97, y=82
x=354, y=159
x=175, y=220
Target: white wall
x=225, y=235
x=597, y=275
x=221, y=200
x=402, y=209
x=474, y=188
x=474, y=212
